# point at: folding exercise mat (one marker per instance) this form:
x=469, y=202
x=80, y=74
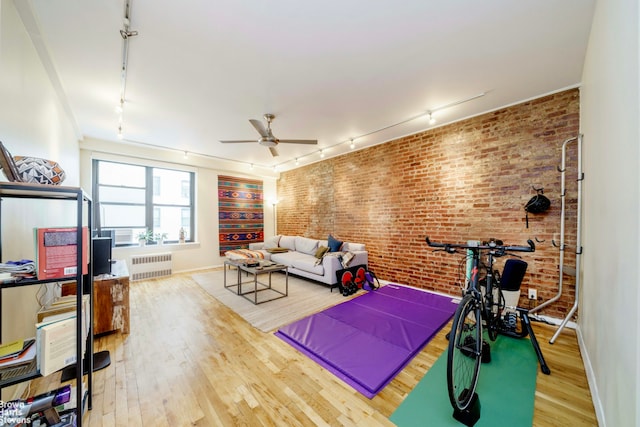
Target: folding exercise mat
x=367, y=340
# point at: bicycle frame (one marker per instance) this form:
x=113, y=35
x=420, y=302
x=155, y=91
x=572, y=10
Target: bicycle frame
x=487, y=302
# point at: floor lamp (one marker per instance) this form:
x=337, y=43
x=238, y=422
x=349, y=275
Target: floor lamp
x=275, y=224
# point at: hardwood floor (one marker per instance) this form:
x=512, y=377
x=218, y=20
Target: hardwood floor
x=190, y=361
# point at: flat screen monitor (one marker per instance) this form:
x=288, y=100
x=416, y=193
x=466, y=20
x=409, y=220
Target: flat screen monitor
x=101, y=258
x=108, y=233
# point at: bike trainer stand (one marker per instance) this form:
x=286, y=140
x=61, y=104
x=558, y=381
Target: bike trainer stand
x=527, y=330
x=471, y=415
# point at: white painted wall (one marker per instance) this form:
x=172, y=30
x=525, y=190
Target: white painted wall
x=609, y=323
x=32, y=122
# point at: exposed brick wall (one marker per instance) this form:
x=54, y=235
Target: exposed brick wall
x=465, y=181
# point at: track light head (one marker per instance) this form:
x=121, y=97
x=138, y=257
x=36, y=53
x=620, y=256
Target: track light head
x=125, y=34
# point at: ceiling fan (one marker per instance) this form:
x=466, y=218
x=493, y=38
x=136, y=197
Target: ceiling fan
x=266, y=136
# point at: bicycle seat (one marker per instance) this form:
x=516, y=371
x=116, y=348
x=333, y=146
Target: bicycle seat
x=512, y=274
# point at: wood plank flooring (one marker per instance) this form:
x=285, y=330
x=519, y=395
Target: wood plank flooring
x=190, y=361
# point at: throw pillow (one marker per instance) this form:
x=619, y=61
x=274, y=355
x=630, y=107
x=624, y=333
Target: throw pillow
x=321, y=251
x=277, y=250
x=334, y=244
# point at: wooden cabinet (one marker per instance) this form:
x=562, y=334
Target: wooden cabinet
x=110, y=300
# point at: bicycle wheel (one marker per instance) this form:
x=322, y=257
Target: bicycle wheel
x=464, y=353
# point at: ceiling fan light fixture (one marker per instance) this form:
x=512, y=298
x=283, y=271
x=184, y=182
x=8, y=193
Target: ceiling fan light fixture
x=266, y=136
x=268, y=141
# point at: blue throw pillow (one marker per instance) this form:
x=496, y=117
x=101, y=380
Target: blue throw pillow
x=334, y=244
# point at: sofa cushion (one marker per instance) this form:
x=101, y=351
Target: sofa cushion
x=288, y=242
x=308, y=263
x=287, y=258
x=271, y=242
x=306, y=245
x=353, y=247
x=334, y=244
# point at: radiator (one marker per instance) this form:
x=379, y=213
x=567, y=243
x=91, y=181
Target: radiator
x=150, y=266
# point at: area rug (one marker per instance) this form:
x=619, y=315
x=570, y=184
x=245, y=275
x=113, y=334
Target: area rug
x=305, y=298
x=367, y=340
x=506, y=390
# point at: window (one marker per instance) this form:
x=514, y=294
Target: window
x=133, y=198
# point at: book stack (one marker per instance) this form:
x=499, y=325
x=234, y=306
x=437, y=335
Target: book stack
x=17, y=358
x=56, y=334
x=14, y=271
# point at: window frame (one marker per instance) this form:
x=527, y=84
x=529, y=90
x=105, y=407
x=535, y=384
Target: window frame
x=149, y=195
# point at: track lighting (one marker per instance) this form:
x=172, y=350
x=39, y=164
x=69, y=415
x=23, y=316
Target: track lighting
x=430, y=113
x=125, y=34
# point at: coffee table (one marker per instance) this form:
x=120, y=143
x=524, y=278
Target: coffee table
x=253, y=271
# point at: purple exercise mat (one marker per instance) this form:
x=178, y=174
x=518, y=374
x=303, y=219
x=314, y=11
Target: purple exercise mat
x=367, y=340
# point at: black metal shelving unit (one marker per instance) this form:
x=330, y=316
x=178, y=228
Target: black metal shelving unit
x=83, y=201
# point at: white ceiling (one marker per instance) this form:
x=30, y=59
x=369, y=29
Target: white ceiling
x=330, y=70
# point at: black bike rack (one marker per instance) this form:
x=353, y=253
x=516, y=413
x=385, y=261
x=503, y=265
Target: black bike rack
x=471, y=415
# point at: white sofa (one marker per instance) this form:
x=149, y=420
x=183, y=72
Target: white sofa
x=302, y=260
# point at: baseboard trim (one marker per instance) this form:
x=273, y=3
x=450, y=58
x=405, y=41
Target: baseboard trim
x=591, y=379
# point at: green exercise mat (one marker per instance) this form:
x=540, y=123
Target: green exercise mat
x=506, y=389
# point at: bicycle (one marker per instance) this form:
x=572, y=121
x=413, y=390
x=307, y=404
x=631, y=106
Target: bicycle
x=476, y=310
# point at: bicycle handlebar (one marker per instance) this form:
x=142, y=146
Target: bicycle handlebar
x=451, y=247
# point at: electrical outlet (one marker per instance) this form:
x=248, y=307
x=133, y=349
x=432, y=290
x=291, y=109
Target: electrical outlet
x=533, y=294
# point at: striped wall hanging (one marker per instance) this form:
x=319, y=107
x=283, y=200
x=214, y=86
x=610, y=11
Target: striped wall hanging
x=240, y=212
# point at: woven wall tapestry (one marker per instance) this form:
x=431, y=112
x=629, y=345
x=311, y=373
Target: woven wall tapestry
x=240, y=212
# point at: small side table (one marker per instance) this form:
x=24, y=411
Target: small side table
x=263, y=267
x=110, y=299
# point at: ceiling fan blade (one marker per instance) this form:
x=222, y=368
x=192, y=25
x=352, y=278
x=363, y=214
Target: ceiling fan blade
x=274, y=152
x=236, y=141
x=298, y=141
x=259, y=127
